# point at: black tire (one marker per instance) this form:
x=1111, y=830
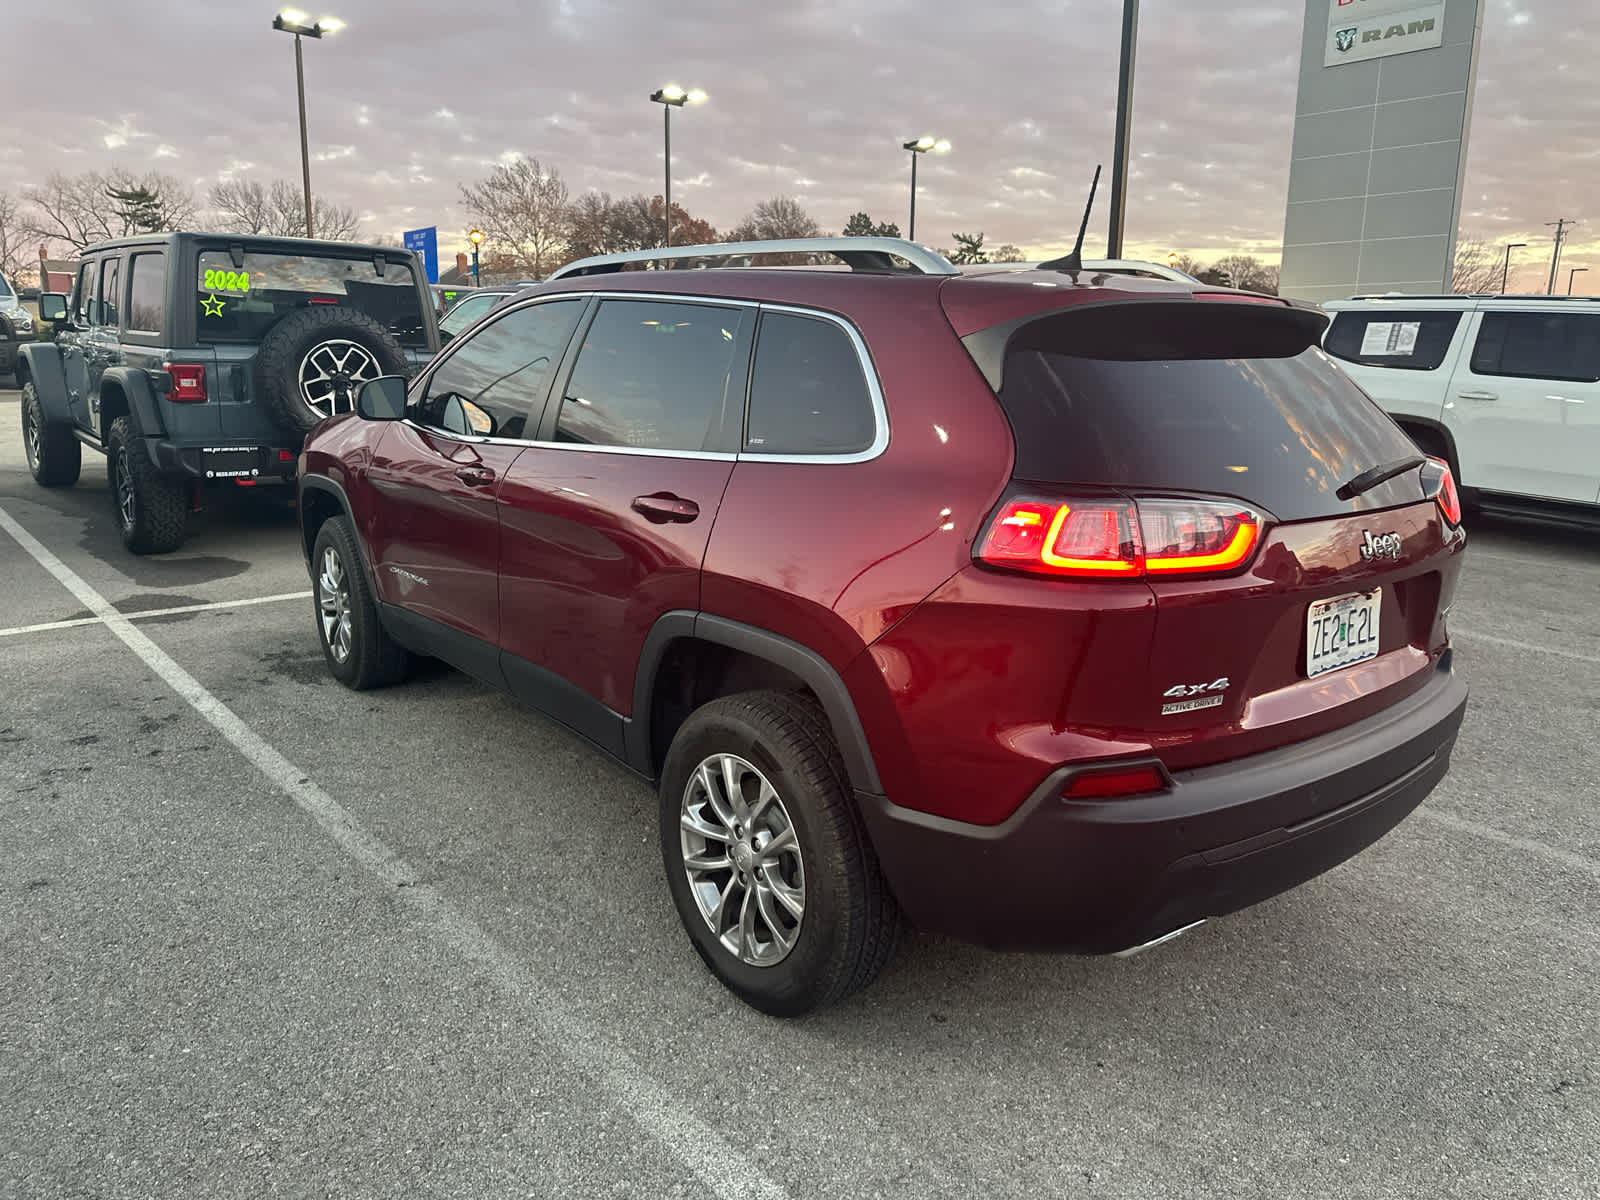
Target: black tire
x=287, y=351
x=359, y=653
x=849, y=922
x=54, y=456
x=151, y=509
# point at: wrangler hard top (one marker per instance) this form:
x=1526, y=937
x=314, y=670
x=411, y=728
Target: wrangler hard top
x=193, y=360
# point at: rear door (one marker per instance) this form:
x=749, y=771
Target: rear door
x=607, y=518
x=1526, y=402
x=1338, y=610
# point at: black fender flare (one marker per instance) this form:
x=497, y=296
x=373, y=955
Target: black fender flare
x=141, y=397
x=49, y=381
x=825, y=683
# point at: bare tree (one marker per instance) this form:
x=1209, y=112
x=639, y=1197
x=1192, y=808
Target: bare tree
x=13, y=239
x=244, y=206
x=1477, y=268
x=83, y=209
x=1248, y=272
x=1008, y=254
x=522, y=210
x=600, y=225
x=779, y=217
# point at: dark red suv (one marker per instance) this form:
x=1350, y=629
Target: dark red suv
x=1046, y=609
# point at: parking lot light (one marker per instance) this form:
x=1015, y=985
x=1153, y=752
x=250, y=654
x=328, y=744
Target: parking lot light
x=475, y=236
x=1505, y=275
x=1570, y=274
x=292, y=20
x=670, y=97
x=918, y=147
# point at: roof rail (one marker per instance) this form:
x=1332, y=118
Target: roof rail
x=1513, y=296
x=869, y=254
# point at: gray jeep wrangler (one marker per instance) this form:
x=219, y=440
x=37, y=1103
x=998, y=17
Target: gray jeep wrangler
x=194, y=361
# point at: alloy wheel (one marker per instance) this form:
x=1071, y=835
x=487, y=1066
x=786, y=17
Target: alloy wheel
x=31, y=444
x=331, y=373
x=127, y=500
x=333, y=604
x=742, y=858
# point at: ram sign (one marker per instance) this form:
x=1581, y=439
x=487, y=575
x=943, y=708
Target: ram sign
x=1363, y=29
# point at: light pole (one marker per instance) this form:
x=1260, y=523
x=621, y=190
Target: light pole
x=475, y=236
x=919, y=147
x=1505, y=275
x=292, y=20
x=670, y=97
x=1570, y=274
x=1119, y=157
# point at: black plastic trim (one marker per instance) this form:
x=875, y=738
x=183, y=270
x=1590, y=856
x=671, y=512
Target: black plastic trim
x=569, y=704
x=424, y=635
x=49, y=380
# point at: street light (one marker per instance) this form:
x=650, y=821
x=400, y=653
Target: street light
x=292, y=20
x=1506, y=274
x=1570, y=274
x=919, y=147
x=670, y=97
x=475, y=236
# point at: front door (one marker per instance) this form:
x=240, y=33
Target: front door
x=435, y=531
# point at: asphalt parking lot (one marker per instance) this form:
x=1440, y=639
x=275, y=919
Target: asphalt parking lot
x=262, y=936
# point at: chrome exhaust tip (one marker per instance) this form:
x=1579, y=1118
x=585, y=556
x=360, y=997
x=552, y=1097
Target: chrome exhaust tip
x=1160, y=941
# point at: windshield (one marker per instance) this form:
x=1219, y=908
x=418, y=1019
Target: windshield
x=240, y=303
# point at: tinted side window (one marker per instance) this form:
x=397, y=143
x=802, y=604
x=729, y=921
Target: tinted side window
x=147, y=298
x=807, y=392
x=1539, y=346
x=1406, y=341
x=105, y=313
x=652, y=374
x=83, y=295
x=490, y=385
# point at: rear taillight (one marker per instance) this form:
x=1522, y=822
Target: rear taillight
x=188, y=383
x=1120, y=539
x=1449, y=499
x=1109, y=782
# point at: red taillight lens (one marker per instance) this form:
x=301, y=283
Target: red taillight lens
x=1100, y=783
x=1187, y=536
x=1449, y=499
x=1105, y=539
x=188, y=383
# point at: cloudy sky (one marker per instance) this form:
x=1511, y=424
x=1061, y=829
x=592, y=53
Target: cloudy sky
x=808, y=98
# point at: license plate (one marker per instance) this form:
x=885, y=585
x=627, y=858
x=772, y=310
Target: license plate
x=1342, y=631
x=228, y=462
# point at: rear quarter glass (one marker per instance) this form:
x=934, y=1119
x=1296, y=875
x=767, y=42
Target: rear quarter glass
x=1281, y=433
x=1398, y=339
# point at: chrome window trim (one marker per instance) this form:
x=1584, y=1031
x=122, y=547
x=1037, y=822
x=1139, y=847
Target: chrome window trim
x=869, y=371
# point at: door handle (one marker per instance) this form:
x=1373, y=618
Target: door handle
x=663, y=507
x=475, y=476
x=1479, y=395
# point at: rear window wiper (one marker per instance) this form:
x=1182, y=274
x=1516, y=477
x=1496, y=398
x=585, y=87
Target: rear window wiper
x=1370, y=479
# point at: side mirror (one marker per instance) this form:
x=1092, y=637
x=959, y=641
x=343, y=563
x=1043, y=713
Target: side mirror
x=382, y=399
x=53, y=306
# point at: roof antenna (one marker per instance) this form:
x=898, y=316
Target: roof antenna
x=1074, y=260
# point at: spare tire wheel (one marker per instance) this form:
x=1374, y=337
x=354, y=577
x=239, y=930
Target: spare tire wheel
x=313, y=361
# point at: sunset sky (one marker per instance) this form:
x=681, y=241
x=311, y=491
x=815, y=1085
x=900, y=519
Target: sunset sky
x=808, y=98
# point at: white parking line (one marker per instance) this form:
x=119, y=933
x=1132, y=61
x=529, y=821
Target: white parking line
x=719, y=1167
x=154, y=612
x=1511, y=644
x=1565, y=858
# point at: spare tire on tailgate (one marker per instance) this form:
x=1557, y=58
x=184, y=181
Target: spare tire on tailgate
x=312, y=362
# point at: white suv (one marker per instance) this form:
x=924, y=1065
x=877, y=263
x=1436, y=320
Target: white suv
x=1506, y=388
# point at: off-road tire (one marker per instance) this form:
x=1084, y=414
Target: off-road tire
x=359, y=653
x=851, y=922
x=54, y=456
x=289, y=344
x=151, y=509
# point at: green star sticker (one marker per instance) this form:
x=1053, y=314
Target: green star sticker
x=210, y=311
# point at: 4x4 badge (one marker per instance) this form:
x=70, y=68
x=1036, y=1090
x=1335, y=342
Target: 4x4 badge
x=1384, y=545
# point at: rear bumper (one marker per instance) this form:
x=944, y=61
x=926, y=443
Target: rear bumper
x=1102, y=876
x=223, y=463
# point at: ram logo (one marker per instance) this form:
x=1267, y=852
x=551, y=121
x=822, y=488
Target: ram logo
x=1344, y=39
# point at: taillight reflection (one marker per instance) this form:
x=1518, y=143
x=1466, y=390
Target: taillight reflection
x=1118, y=538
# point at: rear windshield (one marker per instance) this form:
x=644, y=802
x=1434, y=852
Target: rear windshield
x=1279, y=433
x=240, y=303
x=1404, y=341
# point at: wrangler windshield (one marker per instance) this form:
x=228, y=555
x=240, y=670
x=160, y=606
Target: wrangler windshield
x=240, y=303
